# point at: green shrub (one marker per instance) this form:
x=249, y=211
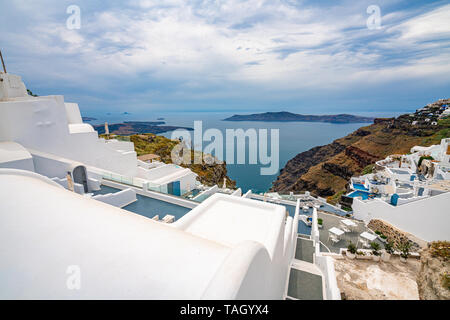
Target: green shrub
x=375, y=248
x=351, y=247
x=368, y=169
x=320, y=221
x=389, y=247
x=404, y=249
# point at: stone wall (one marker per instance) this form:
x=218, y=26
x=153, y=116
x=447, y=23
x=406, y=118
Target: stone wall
x=393, y=234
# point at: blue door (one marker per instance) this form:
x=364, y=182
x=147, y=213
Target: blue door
x=176, y=188
x=394, y=199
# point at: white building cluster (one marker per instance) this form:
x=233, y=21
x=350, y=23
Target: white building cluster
x=411, y=191
x=51, y=166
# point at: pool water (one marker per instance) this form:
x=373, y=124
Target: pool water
x=362, y=194
x=149, y=207
x=360, y=186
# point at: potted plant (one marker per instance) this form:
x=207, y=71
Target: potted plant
x=351, y=251
x=360, y=254
x=320, y=223
x=375, y=251
x=388, y=251
x=404, y=250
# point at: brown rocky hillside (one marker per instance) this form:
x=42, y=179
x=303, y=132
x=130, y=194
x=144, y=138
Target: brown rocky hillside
x=325, y=170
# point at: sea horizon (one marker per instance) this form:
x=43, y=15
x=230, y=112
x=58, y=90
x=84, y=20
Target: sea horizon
x=295, y=137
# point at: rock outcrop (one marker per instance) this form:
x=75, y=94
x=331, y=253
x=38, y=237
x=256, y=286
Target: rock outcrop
x=395, y=235
x=433, y=280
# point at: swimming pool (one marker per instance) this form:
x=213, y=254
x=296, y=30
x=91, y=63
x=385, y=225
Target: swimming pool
x=149, y=207
x=362, y=194
x=360, y=186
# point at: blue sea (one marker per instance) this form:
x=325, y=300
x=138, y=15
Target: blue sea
x=294, y=137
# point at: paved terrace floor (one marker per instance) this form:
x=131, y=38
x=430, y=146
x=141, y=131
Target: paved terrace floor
x=330, y=221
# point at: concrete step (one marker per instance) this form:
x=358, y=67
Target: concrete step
x=304, y=250
x=304, y=285
x=306, y=266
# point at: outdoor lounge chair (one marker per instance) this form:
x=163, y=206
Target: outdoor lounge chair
x=364, y=244
x=335, y=239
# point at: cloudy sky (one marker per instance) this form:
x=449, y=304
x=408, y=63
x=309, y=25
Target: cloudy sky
x=295, y=55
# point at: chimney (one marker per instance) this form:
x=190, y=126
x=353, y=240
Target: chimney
x=106, y=128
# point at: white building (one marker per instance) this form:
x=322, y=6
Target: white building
x=413, y=198
x=51, y=130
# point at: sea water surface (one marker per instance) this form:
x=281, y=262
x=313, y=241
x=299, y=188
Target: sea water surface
x=294, y=137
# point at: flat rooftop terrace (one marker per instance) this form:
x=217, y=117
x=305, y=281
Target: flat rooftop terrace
x=330, y=221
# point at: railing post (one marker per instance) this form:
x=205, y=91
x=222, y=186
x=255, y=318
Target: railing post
x=3, y=62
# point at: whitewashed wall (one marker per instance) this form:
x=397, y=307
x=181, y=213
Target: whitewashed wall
x=428, y=219
x=43, y=124
x=118, y=199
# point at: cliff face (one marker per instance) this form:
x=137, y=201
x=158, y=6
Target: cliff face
x=325, y=170
x=433, y=280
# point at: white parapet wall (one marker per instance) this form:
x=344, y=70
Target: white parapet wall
x=206, y=193
x=248, y=194
x=428, y=219
x=326, y=266
x=118, y=199
x=324, y=263
x=77, y=188
x=237, y=193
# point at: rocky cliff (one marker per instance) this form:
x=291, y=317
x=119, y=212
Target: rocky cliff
x=325, y=170
x=433, y=280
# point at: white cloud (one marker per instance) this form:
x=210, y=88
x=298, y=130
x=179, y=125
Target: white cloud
x=263, y=45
